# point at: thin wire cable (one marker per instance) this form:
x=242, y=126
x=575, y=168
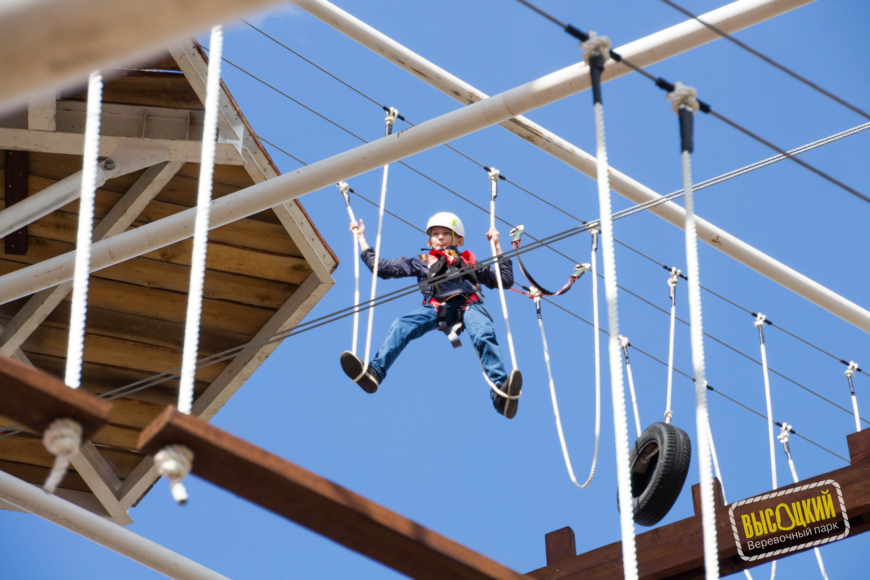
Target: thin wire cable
x=767, y=59
x=84, y=235
x=201, y=225
x=663, y=84
x=698, y=186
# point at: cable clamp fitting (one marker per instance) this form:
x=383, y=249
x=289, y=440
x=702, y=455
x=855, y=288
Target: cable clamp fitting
x=517, y=234
x=850, y=372
x=759, y=320
x=684, y=96
x=596, y=46
x=623, y=342
x=392, y=115
x=493, y=174
x=344, y=188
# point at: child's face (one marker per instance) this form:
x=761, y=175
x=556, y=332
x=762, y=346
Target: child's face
x=440, y=238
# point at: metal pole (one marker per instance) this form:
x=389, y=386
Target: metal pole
x=47, y=45
x=729, y=18
x=88, y=525
x=411, y=141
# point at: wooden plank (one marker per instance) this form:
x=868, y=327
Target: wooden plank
x=859, y=447
x=115, y=352
x=258, y=235
x=317, y=503
x=15, y=177
x=717, y=496
x=560, y=545
x=676, y=550
x=153, y=273
x=156, y=89
x=26, y=448
x=136, y=328
x=36, y=398
x=37, y=475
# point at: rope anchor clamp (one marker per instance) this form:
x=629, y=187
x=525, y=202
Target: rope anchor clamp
x=783, y=438
x=759, y=320
x=517, y=234
x=63, y=439
x=850, y=372
x=596, y=46
x=344, y=188
x=392, y=115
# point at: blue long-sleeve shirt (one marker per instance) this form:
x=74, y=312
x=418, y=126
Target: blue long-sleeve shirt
x=405, y=267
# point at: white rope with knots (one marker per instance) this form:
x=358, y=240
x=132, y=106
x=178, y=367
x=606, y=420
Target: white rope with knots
x=672, y=285
x=599, y=46
x=624, y=344
x=389, y=121
x=84, y=235
x=850, y=372
x=175, y=461
x=344, y=188
x=783, y=438
x=63, y=438
x=685, y=99
x=201, y=224
x=597, y=379
x=493, y=181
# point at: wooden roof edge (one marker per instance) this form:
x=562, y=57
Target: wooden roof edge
x=271, y=162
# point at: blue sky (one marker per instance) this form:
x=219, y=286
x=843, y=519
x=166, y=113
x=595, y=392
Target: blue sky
x=428, y=445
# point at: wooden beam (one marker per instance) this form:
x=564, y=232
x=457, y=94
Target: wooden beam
x=676, y=550
x=36, y=398
x=318, y=504
x=560, y=545
x=15, y=191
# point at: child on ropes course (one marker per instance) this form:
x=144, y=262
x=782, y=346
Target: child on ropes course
x=447, y=305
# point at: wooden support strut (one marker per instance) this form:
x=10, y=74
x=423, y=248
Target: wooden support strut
x=676, y=551
x=16, y=190
x=318, y=504
x=36, y=398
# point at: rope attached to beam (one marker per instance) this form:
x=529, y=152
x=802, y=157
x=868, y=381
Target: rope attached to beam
x=345, y=190
x=672, y=285
x=685, y=104
x=596, y=49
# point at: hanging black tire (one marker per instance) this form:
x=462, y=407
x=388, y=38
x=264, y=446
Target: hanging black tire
x=659, y=464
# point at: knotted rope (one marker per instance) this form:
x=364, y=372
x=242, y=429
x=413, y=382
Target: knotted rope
x=63, y=439
x=175, y=462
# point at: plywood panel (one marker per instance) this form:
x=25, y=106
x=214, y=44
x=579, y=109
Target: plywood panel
x=156, y=89
x=26, y=448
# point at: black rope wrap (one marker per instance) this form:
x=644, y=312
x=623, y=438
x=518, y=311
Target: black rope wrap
x=687, y=127
x=579, y=270
x=596, y=67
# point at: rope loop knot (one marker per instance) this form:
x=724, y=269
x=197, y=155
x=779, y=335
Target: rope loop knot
x=759, y=320
x=596, y=46
x=669, y=415
x=493, y=174
x=175, y=461
x=623, y=342
x=673, y=280
x=63, y=438
x=784, y=434
x=392, y=115
x=684, y=96
x=850, y=372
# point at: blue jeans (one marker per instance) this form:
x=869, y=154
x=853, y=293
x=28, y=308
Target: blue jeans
x=415, y=324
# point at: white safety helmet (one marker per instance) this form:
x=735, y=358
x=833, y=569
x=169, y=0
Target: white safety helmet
x=446, y=220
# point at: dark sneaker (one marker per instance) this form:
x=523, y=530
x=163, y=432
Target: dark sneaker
x=512, y=387
x=353, y=367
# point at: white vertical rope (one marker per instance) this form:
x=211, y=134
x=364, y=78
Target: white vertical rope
x=201, y=224
x=392, y=115
x=672, y=285
x=84, y=235
x=596, y=333
x=617, y=386
x=624, y=344
x=783, y=438
x=759, y=323
x=685, y=104
x=719, y=477
x=493, y=180
x=849, y=373
x=344, y=188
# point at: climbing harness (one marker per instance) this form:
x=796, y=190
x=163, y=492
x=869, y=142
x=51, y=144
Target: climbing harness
x=783, y=438
x=850, y=372
x=389, y=121
x=596, y=50
x=464, y=263
x=685, y=104
x=672, y=286
x=345, y=190
x=63, y=438
x=624, y=344
x=493, y=180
